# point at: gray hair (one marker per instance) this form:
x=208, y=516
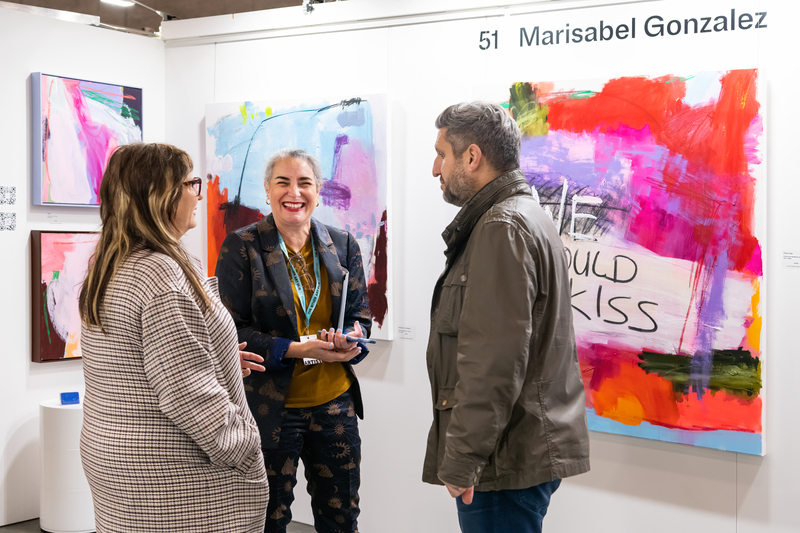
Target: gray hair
x=487, y=125
x=293, y=153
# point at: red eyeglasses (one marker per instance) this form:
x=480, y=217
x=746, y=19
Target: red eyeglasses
x=196, y=184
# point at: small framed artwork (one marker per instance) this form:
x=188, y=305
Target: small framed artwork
x=77, y=124
x=59, y=261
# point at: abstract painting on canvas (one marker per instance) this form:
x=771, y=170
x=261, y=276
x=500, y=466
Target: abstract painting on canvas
x=59, y=263
x=347, y=136
x=657, y=185
x=77, y=124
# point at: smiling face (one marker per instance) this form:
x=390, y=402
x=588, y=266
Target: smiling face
x=186, y=214
x=456, y=186
x=292, y=193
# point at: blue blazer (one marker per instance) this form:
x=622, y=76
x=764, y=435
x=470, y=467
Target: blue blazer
x=255, y=286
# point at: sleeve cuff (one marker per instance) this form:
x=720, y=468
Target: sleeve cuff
x=279, y=348
x=460, y=474
x=364, y=352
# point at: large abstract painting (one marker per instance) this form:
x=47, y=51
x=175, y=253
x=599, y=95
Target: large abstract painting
x=657, y=185
x=348, y=137
x=59, y=264
x=77, y=124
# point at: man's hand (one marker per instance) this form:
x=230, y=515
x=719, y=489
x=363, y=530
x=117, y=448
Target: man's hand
x=455, y=492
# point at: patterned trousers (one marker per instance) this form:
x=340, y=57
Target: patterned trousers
x=326, y=439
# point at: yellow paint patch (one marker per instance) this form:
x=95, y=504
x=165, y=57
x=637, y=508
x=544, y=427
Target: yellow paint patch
x=754, y=331
x=71, y=349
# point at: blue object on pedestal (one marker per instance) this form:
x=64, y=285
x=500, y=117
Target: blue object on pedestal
x=70, y=398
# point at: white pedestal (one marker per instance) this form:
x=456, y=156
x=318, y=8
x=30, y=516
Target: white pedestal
x=65, y=501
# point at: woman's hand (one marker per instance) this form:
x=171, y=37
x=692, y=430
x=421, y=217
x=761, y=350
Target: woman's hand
x=245, y=361
x=323, y=350
x=337, y=337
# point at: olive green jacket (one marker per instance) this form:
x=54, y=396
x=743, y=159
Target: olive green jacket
x=509, y=409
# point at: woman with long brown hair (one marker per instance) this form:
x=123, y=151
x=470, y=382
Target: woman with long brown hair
x=168, y=442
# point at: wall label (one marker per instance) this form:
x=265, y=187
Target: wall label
x=653, y=26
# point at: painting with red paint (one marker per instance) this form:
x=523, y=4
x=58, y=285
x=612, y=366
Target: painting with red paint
x=657, y=185
x=59, y=261
x=348, y=136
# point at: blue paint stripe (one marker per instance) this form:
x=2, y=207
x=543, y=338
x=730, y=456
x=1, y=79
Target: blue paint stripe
x=731, y=441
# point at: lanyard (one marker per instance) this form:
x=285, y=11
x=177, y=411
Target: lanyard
x=308, y=311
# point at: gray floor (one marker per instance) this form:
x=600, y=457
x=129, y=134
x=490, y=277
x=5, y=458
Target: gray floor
x=32, y=526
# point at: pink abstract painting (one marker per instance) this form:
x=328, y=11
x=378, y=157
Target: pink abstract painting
x=59, y=261
x=77, y=125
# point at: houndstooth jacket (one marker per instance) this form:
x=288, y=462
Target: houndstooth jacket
x=168, y=442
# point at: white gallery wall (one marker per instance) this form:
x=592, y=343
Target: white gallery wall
x=30, y=43
x=424, y=56
x=428, y=60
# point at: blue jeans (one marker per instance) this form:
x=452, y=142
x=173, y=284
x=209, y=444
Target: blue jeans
x=506, y=511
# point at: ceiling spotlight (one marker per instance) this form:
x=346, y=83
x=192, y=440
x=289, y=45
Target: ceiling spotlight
x=129, y=3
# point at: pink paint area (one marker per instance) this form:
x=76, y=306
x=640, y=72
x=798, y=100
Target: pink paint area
x=94, y=137
x=65, y=260
x=55, y=246
x=81, y=133
x=355, y=169
x=755, y=265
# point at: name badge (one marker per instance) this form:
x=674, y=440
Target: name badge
x=306, y=338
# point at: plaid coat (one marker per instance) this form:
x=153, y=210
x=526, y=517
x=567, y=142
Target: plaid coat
x=255, y=287
x=168, y=442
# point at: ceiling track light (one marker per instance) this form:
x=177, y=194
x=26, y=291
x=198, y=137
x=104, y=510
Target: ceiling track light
x=129, y=3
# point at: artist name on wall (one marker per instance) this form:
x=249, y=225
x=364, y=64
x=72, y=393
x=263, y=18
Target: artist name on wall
x=653, y=26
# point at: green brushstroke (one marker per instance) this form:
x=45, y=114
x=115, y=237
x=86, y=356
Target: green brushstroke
x=736, y=372
x=580, y=95
x=44, y=307
x=676, y=80
x=122, y=108
x=530, y=115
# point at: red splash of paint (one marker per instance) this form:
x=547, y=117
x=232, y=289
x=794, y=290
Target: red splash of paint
x=619, y=389
x=635, y=102
x=707, y=193
x=622, y=391
x=377, y=286
x=223, y=217
x=720, y=411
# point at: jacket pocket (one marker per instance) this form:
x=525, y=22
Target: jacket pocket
x=451, y=300
x=445, y=400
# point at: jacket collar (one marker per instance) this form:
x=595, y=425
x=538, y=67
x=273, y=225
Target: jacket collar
x=504, y=186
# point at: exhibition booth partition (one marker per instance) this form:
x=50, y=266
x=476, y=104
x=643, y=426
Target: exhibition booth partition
x=656, y=135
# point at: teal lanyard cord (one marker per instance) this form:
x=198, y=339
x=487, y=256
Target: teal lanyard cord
x=308, y=311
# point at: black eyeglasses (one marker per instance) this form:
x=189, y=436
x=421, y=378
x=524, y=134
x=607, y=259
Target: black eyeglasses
x=197, y=185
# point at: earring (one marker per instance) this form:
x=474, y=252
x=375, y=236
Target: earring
x=267, y=201
x=317, y=203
